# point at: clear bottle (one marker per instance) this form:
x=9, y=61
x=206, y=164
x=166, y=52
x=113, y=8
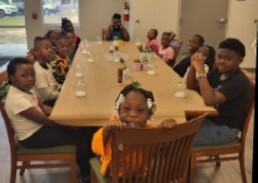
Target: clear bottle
x=120, y=75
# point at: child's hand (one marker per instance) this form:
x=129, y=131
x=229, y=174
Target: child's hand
x=168, y=123
x=197, y=60
x=114, y=125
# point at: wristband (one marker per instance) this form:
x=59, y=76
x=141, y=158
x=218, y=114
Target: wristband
x=201, y=75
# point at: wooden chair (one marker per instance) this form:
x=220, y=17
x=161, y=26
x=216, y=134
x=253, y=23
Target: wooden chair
x=233, y=150
x=25, y=155
x=104, y=30
x=164, y=154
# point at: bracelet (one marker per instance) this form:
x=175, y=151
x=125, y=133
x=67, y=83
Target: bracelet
x=201, y=75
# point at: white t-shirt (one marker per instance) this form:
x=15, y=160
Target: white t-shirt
x=206, y=68
x=16, y=102
x=46, y=87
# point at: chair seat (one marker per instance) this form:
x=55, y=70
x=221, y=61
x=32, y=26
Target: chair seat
x=52, y=150
x=232, y=144
x=95, y=165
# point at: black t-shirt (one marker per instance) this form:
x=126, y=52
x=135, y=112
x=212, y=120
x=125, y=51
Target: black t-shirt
x=182, y=66
x=236, y=89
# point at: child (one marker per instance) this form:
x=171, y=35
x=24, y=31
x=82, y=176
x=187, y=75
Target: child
x=29, y=117
x=116, y=30
x=53, y=36
x=73, y=46
x=209, y=54
x=225, y=87
x=134, y=107
x=174, y=43
x=60, y=64
x=67, y=26
x=194, y=44
x=152, y=42
x=46, y=87
x=166, y=52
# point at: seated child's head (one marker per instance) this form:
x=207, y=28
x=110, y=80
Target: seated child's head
x=209, y=53
x=116, y=21
x=195, y=43
x=69, y=36
x=43, y=49
x=166, y=39
x=67, y=25
x=135, y=106
x=152, y=34
x=53, y=36
x=63, y=47
x=21, y=74
x=230, y=55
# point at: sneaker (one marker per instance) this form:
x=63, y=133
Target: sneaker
x=82, y=179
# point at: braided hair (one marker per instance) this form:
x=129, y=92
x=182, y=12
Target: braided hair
x=148, y=95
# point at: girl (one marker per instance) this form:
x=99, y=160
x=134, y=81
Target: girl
x=166, y=52
x=209, y=54
x=29, y=117
x=60, y=64
x=73, y=46
x=152, y=42
x=53, y=36
x=134, y=107
x=116, y=30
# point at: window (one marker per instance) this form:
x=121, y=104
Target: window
x=13, y=41
x=53, y=10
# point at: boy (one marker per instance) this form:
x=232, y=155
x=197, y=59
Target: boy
x=226, y=88
x=46, y=87
x=60, y=64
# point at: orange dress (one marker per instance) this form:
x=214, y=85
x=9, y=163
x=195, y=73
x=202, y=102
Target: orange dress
x=106, y=154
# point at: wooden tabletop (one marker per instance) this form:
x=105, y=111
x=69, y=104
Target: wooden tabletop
x=102, y=89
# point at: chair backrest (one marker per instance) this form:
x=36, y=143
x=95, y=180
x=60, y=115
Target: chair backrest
x=251, y=78
x=153, y=154
x=9, y=129
x=104, y=30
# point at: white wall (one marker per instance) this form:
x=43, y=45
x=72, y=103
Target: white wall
x=241, y=25
x=162, y=15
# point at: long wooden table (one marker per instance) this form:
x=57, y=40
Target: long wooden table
x=102, y=89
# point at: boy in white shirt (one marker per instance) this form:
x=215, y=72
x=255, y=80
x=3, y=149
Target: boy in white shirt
x=46, y=87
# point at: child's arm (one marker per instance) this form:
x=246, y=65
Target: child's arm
x=34, y=115
x=45, y=108
x=125, y=33
x=50, y=92
x=210, y=97
x=114, y=125
x=168, y=123
x=107, y=34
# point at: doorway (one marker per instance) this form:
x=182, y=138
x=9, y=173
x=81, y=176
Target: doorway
x=205, y=17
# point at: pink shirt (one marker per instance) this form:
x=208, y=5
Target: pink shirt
x=154, y=44
x=166, y=53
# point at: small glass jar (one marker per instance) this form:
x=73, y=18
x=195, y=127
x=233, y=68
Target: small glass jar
x=80, y=88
